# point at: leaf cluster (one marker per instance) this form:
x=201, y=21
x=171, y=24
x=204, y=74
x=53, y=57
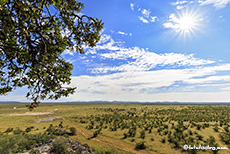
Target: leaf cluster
x=33, y=36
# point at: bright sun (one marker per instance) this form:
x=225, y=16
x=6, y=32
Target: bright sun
x=186, y=23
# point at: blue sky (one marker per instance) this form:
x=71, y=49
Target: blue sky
x=153, y=50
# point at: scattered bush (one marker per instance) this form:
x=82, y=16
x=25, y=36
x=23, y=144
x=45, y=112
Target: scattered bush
x=73, y=130
x=59, y=146
x=140, y=146
x=216, y=129
x=9, y=130
x=96, y=133
x=17, y=131
x=142, y=134
x=163, y=140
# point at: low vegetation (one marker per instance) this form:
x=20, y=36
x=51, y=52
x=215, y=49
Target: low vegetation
x=128, y=128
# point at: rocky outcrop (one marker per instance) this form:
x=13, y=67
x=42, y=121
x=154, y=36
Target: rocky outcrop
x=74, y=147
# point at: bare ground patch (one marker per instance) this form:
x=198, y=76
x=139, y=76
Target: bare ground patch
x=30, y=114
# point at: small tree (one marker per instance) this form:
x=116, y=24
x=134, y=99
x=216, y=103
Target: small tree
x=95, y=133
x=59, y=146
x=125, y=135
x=163, y=140
x=32, y=40
x=216, y=128
x=142, y=134
x=140, y=146
x=73, y=130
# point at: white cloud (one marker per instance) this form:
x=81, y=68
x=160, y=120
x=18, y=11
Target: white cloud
x=142, y=75
x=144, y=85
x=218, y=4
x=65, y=32
x=105, y=43
x=139, y=59
x=143, y=19
x=139, y=76
x=179, y=7
x=122, y=33
x=144, y=60
x=179, y=2
x=179, y=22
x=68, y=52
x=201, y=1
x=173, y=22
x=169, y=25
x=154, y=18
x=132, y=6
x=104, y=38
x=146, y=13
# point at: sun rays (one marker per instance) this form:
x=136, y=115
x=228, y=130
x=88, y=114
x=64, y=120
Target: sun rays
x=185, y=23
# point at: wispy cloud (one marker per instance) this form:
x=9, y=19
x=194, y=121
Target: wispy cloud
x=68, y=52
x=123, y=33
x=139, y=59
x=148, y=76
x=146, y=13
x=143, y=19
x=145, y=16
x=147, y=85
x=143, y=60
x=132, y=6
x=141, y=72
x=154, y=18
x=218, y=4
x=173, y=22
x=179, y=4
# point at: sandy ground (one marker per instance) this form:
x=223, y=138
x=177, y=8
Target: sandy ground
x=31, y=114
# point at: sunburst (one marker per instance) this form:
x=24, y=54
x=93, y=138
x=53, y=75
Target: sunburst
x=185, y=23
x=188, y=22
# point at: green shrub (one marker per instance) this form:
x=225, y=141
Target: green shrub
x=142, y=134
x=73, y=130
x=28, y=129
x=59, y=146
x=163, y=140
x=140, y=146
x=9, y=130
x=96, y=132
x=226, y=129
x=100, y=151
x=60, y=125
x=125, y=135
x=216, y=129
x=51, y=129
x=17, y=131
x=8, y=144
x=34, y=152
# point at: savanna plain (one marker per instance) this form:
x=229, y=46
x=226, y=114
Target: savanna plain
x=121, y=128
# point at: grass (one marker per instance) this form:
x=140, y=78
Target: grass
x=142, y=116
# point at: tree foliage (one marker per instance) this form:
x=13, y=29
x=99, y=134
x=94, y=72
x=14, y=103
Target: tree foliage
x=33, y=35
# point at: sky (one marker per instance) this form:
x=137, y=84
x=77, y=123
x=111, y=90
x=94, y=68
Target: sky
x=153, y=51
